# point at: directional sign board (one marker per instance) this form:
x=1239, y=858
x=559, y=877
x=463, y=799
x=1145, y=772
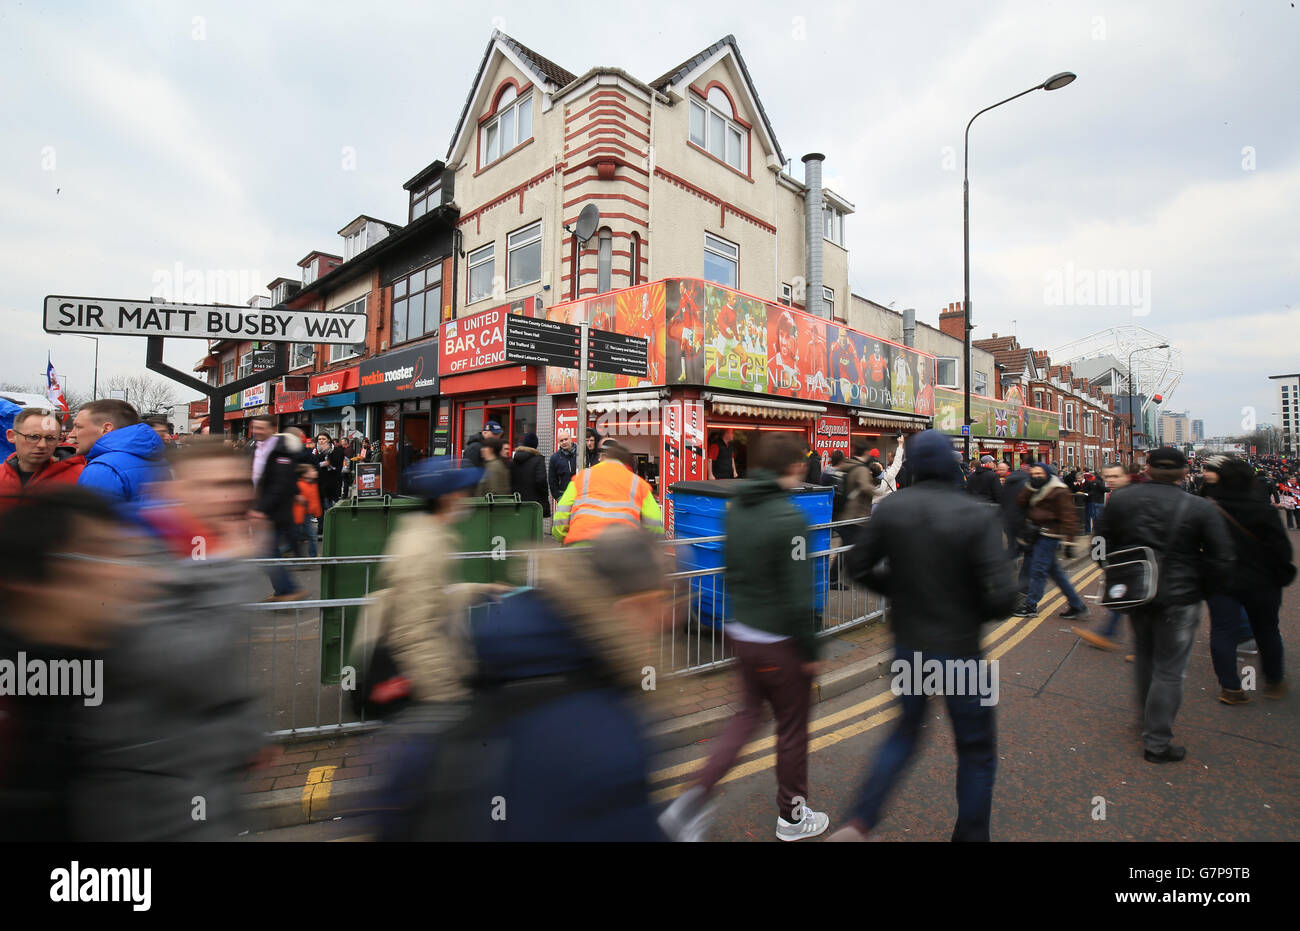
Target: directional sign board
x=100, y=316
x=537, y=341
x=618, y=354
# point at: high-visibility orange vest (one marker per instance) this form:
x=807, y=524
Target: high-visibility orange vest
x=609, y=495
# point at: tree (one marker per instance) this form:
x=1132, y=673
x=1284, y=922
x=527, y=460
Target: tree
x=143, y=392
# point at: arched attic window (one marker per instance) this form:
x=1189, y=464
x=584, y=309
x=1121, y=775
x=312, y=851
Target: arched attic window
x=716, y=129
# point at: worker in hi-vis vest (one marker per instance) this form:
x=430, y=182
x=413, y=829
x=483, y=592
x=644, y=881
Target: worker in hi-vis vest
x=608, y=494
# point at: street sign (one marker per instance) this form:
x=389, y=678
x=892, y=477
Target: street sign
x=618, y=353
x=965, y=429
x=102, y=316
x=537, y=341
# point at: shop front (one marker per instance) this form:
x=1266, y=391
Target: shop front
x=480, y=386
x=720, y=361
x=399, y=393
x=331, y=403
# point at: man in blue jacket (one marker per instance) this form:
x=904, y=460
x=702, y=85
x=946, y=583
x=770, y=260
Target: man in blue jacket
x=122, y=454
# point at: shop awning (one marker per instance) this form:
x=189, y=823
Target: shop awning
x=626, y=401
x=743, y=406
x=890, y=421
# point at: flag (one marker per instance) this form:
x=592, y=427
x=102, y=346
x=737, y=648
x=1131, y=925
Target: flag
x=54, y=387
x=1000, y=422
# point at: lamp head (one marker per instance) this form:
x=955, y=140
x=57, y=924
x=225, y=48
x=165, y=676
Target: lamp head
x=1057, y=81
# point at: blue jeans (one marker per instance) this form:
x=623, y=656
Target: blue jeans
x=1261, y=608
x=1091, y=513
x=1109, y=629
x=974, y=729
x=281, y=537
x=1038, y=565
x=305, y=533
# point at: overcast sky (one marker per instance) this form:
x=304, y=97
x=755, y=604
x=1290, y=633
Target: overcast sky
x=135, y=136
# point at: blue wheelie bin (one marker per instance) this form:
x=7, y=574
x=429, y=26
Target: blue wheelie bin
x=700, y=510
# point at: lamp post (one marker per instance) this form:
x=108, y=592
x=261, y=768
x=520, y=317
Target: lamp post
x=1131, y=422
x=1055, y=82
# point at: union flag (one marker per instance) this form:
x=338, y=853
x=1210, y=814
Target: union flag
x=999, y=422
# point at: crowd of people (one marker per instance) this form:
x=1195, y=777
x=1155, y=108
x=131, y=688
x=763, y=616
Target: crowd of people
x=534, y=697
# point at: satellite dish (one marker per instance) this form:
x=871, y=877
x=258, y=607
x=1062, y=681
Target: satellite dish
x=587, y=221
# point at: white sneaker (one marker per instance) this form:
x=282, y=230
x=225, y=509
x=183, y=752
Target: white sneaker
x=813, y=823
x=687, y=819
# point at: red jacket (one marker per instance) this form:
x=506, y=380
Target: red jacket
x=64, y=471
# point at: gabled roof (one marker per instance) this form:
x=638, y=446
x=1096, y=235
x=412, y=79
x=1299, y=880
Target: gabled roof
x=544, y=72
x=678, y=74
x=302, y=262
x=996, y=343
x=392, y=227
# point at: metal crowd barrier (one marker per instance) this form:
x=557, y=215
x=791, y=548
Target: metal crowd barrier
x=284, y=649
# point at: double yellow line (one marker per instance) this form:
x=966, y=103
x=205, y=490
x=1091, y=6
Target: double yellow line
x=677, y=775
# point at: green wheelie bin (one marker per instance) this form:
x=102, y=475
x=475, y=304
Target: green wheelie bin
x=361, y=527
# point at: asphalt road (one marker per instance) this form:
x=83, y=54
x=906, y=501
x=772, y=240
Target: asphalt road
x=1068, y=733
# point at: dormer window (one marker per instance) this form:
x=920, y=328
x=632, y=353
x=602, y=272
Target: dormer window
x=425, y=199
x=309, y=272
x=715, y=129
x=355, y=244
x=278, y=295
x=511, y=125
x=833, y=221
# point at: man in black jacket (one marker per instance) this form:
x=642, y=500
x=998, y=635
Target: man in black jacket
x=936, y=623
x=1013, y=516
x=528, y=474
x=276, y=458
x=983, y=482
x=1196, y=559
x=563, y=465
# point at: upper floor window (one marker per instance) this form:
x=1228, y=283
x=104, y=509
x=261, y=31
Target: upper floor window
x=828, y=295
x=481, y=268
x=1038, y=399
x=979, y=383
x=721, y=261
x=417, y=303
x=512, y=125
x=787, y=295
x=228, y=371
x=425, y=199
x=947, y=372
x=524, y=256
x=605, y=261
x=1069, y=416
x=301, y=354
x=634, y=263
x=714, y=129
x=309, y=272
x=338, y=352
x=833, y=221
x=355, y=244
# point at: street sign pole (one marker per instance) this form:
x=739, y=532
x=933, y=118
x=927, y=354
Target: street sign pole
x=582, y=398
x=216, y=394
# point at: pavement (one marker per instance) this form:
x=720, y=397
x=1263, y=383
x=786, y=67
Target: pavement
x=1070, y=756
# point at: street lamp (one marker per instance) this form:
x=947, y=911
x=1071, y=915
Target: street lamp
x=94, y=390
x=1055, y=82
x=1131, y=422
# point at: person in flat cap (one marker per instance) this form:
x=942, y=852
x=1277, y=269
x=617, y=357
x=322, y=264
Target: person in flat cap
x=420, y=612
x=1195, y=555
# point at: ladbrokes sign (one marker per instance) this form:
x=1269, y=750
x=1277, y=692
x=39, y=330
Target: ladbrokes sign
x=407, y=373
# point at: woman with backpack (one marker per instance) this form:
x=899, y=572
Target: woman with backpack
x=1263, y=569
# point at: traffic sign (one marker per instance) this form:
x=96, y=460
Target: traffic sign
x=103, y=316
x=965, y=429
